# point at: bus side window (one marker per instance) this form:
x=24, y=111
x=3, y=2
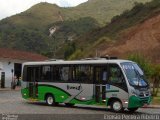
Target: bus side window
x=46, y=73
x=24, y=73
x=104, y=74
x=31, y=73
x=61, y=73
x=82, y=73
x=65, y=73
x=56, y=73
x=115, y=74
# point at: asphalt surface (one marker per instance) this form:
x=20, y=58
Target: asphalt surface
x=12, y=103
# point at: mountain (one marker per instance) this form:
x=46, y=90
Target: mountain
x=134, y=31
x=50, y=30
x=102, y=10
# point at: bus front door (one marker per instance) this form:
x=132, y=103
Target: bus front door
x=100, y=83
x=32, y=84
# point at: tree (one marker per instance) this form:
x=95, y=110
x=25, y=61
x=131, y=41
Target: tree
x=69, y=50
x=144, y=63
x=156, y=79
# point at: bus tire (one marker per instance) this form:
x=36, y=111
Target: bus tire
x=132, y=109
x=69, y=104
x=50, y=100
x=116, y=106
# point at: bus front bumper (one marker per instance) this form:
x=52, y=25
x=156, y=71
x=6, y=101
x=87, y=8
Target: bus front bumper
x=135, y=101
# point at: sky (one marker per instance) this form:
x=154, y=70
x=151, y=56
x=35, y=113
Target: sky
x=12, y=7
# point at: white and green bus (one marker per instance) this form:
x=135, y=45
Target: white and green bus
x=118, y=83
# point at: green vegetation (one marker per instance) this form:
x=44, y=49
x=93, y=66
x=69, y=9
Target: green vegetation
x=144, y=63
x=37, y=40
x=69, y=49
x=102, y=10
x=138, y=14
x=29, y=30
x=156, y=80
x=156, y=101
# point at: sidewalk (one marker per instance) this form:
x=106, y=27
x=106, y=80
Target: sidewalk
x=9, y=89
x=103, y=106
x=5, y=89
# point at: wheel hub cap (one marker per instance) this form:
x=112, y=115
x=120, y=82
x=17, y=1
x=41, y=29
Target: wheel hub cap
x=116, y=106
x=50, y=100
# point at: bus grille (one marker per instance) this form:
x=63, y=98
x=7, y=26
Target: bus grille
x=144, y=94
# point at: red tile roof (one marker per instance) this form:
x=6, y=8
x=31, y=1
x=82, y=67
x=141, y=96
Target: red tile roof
x=20, y=55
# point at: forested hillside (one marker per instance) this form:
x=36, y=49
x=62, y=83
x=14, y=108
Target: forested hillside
x=50, y=30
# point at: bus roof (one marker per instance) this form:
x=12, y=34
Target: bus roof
x=62, y=62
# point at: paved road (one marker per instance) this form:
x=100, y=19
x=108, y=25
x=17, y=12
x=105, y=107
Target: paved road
x=12, y=103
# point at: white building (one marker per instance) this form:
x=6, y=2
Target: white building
x=11, y=63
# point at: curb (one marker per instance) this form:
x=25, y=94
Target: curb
x=9, y=89
x=95, y=106
x=5, y=89
x=152, y=106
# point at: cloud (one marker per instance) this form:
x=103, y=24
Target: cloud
x=11, y=7
x=63, y=3
x=75, y=2
x=67, y=3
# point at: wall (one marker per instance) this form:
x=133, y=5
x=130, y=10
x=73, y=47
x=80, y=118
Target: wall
x=8, y=74
x=8, y=65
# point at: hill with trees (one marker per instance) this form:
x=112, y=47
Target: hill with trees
x=30, y=30
x=134, y=31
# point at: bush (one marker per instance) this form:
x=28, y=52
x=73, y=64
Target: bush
x=69, y=50
x=156, y=80
x=144, y=63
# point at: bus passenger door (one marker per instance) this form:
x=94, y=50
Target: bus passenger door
x=101, y=76
x=33, y=76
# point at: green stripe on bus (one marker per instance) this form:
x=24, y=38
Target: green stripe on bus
x=59, y=94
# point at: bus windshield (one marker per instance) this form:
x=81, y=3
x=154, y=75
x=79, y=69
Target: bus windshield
x=134, y=74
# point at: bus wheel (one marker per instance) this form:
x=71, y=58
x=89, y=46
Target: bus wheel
x=69, y=104
x=117, y=106
x=50, y=100
x=132, y=109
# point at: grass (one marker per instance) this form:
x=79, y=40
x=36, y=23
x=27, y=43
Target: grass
x=44, y=13
x=156, y=100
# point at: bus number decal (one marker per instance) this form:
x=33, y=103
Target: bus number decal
x=74, y=87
